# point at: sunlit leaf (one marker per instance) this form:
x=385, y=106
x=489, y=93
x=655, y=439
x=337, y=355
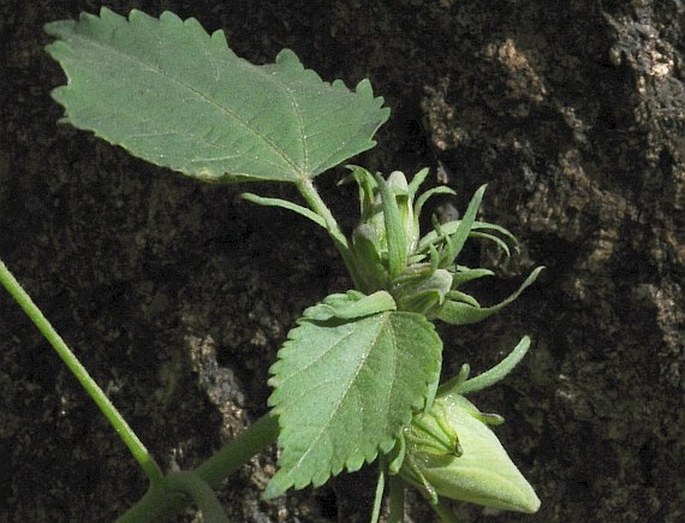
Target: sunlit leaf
x=345, y=388
x=168, y=92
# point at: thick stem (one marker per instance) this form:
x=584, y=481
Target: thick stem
x=159, y=503
x=235, y=454
x=130, y=439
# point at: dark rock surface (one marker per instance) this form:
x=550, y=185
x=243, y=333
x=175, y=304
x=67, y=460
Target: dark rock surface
x=177, y=295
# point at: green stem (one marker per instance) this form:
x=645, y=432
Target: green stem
x=189, y=483
x=135, y=446
x=396, y=500
x=444, y=512
x=316, y=204
x=159, y=503
x=378, y=495
x=236, y=453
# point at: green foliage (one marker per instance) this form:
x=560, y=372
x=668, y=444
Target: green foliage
x=344, y=388
x=168, y=92
x=421, y=273
x=358, y=375
x=461, y=310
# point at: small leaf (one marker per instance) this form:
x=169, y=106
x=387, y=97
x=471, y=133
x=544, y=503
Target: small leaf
x=460, y=384
x=344, y=389
x=416, y=182
x=350, y=305
x=168, y=92
x=462, y=313
x=477, y=231
x=465, y=274
x=394, y=229
x=421, y=200
x=424, y=295
x=369, y=266
x=462, y=297
x=456, y=241
x=366, y=185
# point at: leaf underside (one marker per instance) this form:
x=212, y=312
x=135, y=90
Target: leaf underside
x=168, y=92
x=345, y=388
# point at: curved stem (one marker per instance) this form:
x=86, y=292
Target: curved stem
x=125, y=432
x=158, y=503
x=313, y=199
x=200, y=492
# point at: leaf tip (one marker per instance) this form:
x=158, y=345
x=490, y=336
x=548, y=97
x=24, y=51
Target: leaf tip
x=56, y=29
x=288, y=57
x=168, y=17
x=276, y=487
x=105, y=15
x=219, y=37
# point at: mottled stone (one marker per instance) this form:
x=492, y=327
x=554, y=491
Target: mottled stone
x=573, y=112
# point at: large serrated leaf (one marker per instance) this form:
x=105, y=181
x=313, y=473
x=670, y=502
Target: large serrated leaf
x=345, y=388
x=168, y=92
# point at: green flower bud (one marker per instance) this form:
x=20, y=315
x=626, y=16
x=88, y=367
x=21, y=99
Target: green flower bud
x=388, y=232
x=373, y=216
x=450, y=451
x=397, y=182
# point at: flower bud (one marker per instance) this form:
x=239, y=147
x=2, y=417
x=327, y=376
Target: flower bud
x=388, y=233
x=450, y=451
x=397, y=182
x=373, y=217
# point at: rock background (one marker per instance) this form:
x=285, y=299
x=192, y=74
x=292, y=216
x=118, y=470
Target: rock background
x=176, y=295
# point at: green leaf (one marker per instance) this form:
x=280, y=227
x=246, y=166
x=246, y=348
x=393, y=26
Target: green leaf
x=460, y=384
x=421, y=200
x=394, y=229
x=456, y=241
x=416, y=182
x=366, y=185
x=462, y=313
x=351, y=305
x=462, y=297
x=168, y=92
x=344, y=389
x=477, y=228
x=464, y=274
